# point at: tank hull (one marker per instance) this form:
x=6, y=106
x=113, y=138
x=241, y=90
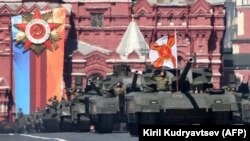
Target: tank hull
x=178, y=108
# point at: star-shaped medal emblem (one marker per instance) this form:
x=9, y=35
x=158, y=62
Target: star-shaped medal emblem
x=37, y=33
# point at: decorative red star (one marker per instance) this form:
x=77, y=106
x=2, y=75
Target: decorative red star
x=37, y=31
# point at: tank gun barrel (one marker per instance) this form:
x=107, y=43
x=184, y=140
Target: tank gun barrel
x=95, y=88
x=134, y=81
x=184, y=73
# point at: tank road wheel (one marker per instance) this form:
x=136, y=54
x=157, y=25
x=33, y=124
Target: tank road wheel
x=51, y=125
x=66, y=124
x=83, y=125
x=104, y=124
x=133, y=129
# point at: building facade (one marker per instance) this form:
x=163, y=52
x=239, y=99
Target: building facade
x=237, y=38
x=95, y=29
x=199, y=26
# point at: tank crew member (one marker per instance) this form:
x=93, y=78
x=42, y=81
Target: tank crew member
x=78, y=92
x=162, y=82
x=88, y=85
x=38, y=124
x=71, y=93
x=75, y=93
x=118, y=89
x=20, y=112
x=47, y=108
x=54, y=102
x=62, y=102
x=98, y=83
x=28, y=125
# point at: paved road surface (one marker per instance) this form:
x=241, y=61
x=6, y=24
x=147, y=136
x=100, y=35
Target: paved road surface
x=68, y=137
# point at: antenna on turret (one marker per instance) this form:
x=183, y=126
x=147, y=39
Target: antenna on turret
x=10, y=94
x=177, y=77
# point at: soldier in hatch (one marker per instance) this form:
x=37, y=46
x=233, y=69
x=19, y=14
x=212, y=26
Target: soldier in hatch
x=20, y=113
x=88, y=86
x=78, y=92
x=54, y=102
x=118, y=89
x=71, y=94
x=162, y=82
x=98, y=83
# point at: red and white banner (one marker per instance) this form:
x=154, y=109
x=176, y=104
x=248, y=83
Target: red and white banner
x=164, y=52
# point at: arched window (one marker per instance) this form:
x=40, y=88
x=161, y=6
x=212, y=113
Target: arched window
x=171, y=19
x=159, y=20
x=78, y=81
x=183, y=20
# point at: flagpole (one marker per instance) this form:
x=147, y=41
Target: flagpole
x=177, y=75
x=11, y=70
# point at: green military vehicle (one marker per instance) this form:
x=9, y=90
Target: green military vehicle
x=106, y=106
x=190, y=100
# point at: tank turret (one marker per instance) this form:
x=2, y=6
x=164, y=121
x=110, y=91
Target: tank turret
x=183, y=85
x=153, y=107
x=133, y=87
x=201, y=79
x=109, y=109
x=97, y=90
x=184, y=73
x=243, y=99
x=121, y=73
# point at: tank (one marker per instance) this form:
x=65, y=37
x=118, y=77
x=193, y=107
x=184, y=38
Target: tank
x=22, y=124
x=8, y=127
x=37, y=123
x=243, y=100
x=65, y=114
x=51, y=119
x=107, y=110
x=189, y=100
x=79, y=111
x=72, y=112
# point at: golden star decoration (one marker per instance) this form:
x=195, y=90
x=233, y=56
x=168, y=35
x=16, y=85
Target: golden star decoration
x=37, y=32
